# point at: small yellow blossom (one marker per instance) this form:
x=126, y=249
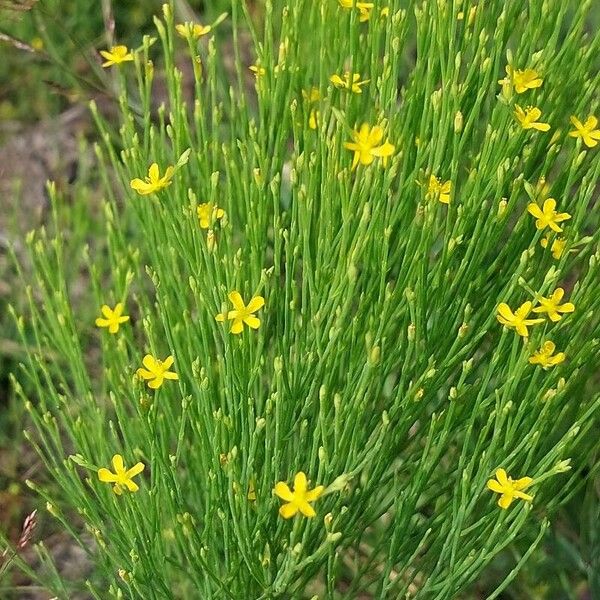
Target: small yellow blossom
x=313, y=118
x=208, y=213
x=552, y=307
x=509, y=489
x=364, y=8
x=258, y=70
x=522, y=81
x=367, y=146
x=192, y=30
x=251, y=495
x=299, y=499
x=557, y=248
x=113, y=317
x=438, y=189
x=517, y=320
x=587, y=131
x=545, y=356
x=154, y=182
x=122, y=478
x=116, y=55
x=37, y=43
x=311, y=96
x=156, y=371
x=242, y=313
x=349, y=82
x=547, y=215
x=528, y=118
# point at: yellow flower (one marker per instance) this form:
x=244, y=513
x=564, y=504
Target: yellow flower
x=438, y=189
x=192, y=30
x=522, y=81
x=313, y=118
x=544, y=356
x=154, y=182
x=346, y=84
x=528, y=118
x=251, y=495
x=557, y=248
x=311, y=96
x=299, y=499
x=257, y=70
x=587, y=131
x=547, y=215
x=209, y=212
x=116, y=55
x=156, y=371
x=113, y=317
x=517, y=320
x=367, y=146
x=242, y=313
x=509, y=489
x=122, y=478
x=364, y=8
x=552, y=307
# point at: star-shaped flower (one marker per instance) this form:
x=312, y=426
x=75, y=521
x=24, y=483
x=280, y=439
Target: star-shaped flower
x=156, y=371
x=299, y=499
x=122, y=477
x=113, y=317
x=552, y=305
x=587, y=131
x=116, y=56
x=509, y=489
x=154, y=182
x=242, y=314
x=547, y=215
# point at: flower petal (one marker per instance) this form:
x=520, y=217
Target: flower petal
x=312, y=495
x=106, y=476
x=253, y=322
x=300, y=483
x=149, y=362
x=283, y=491
x=135, y=470
x=237, y=301
x=255, y=304
x=117, y=463
x=287, y=511
x=502, y=477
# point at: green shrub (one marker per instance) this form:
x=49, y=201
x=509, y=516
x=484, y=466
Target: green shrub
x=385, y=365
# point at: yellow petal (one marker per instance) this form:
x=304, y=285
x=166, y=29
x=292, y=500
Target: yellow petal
x=300, y=483
x=505, y=311
x=313, y=495
x=283, y=491
x=505, y=501
x=149, y=362
x=287, y=511
x=256, y=303
x=237, y=301
x=156, y=383
x=153, y=173
x=252, y=322
x=493, y=485
x=106, y=476
x=502, y=477
x=237, y=326
x=117, y=462
x=306, y=509
x=135, y=470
